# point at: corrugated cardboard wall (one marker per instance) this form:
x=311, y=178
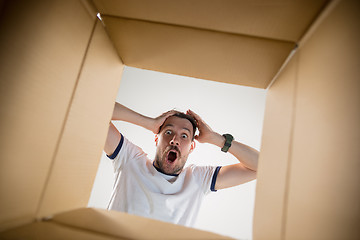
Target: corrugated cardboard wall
x=223, y=57
x=308, y=180
x=277, y=20
x=274, y=155
x=238, y=42
x=59, y=78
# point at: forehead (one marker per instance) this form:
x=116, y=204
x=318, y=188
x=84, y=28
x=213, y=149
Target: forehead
x=178, y=122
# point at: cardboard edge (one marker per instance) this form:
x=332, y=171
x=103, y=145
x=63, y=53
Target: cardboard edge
x=90, y=7
x=317, y=22
x=231, y=79
x=97, y=220
x=287, y=60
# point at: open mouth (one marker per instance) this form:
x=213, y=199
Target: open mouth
x=172, y=156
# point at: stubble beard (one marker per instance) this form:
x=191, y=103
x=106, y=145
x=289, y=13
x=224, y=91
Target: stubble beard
x=160, y=158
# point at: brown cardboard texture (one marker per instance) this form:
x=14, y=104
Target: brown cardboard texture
x=50, y=230
x=278, y=115
x=38, y=74
x=278, y=20
x=223, y=57
x=313, y=110
x=54, y=115
x=238, y=42
x=102, y=224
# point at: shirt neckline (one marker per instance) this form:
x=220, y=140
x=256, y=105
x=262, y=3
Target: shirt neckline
x=160, y=171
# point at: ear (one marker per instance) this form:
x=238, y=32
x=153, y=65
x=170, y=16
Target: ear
x=193, y=145
x=156, y=139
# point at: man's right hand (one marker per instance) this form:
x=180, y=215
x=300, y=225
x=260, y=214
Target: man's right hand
x=159, y=121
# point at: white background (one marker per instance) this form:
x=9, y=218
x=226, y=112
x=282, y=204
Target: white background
x=227, y=108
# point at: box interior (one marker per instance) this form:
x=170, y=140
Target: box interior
x=56, y=56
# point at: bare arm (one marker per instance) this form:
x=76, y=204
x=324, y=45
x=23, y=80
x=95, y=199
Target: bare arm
x=235, y=174
x=125, y=114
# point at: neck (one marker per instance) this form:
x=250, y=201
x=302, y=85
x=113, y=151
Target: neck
x=159, y=170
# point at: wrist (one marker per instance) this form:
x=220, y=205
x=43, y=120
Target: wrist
x=146, y=122
x=217, y=139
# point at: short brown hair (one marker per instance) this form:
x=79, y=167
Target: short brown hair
x=186, y=116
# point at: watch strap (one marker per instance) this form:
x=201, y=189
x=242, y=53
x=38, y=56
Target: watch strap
x=228, y=140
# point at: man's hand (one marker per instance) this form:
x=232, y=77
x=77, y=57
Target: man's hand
x=206, y=134
x=159, y=121
x=235, y=174
x=125, y=114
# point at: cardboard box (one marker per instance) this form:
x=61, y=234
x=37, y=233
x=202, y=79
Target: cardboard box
x=88, y=223
x=61, y=68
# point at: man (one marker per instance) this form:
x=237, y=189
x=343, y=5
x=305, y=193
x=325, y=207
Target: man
x=162, y=188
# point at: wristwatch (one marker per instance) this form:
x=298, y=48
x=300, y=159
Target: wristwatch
x=228, y=139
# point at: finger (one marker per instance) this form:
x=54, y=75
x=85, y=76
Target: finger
x=191, y=113
x=194, y=114
x=168, y=113
x=197, y=117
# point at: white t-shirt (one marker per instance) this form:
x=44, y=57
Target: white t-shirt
x=142, y=190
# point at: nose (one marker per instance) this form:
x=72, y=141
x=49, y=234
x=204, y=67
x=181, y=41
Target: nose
x=174, y=141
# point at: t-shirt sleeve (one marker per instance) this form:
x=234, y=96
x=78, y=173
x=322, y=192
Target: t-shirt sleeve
x=124, y=152
x=206, y=177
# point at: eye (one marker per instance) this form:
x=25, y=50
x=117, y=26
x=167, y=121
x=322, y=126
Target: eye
x=184, y=135
x=168, y=132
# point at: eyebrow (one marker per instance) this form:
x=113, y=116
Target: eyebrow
x=171, y=125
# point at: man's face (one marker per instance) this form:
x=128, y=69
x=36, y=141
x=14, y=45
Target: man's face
x=174, y=144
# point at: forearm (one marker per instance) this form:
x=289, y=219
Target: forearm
x=246, y=155
x=125, y=114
